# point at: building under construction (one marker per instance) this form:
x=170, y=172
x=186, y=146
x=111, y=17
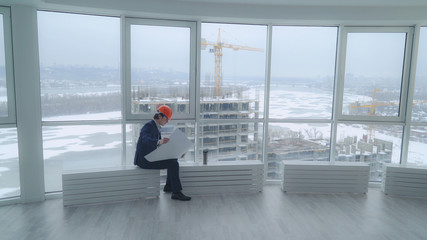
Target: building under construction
x=376, y=153
x=225, y=141
x=231, y=140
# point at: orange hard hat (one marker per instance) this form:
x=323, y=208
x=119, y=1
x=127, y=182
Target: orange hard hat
x=166, y=110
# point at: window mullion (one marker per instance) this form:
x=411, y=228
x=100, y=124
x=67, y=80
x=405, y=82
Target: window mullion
x=338, y=89
x=412, y=67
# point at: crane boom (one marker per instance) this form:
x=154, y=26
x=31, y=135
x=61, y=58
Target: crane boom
x=217, y=50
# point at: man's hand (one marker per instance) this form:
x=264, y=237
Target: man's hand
x=164, y=141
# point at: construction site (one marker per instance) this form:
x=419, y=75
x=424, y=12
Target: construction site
x=242, y=140
x=225, y=141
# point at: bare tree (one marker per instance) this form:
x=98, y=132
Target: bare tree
x=313, y=133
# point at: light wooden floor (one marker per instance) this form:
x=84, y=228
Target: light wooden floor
x=269, y=215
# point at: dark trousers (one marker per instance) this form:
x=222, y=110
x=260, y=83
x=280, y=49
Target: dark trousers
x=172, y=166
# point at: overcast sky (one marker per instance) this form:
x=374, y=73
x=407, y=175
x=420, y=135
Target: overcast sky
x=71, y=39
x=74, y=39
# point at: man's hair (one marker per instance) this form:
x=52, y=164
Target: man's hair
x=157, y=115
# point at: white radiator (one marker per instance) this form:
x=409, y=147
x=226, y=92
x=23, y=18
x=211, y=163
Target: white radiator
x=109, y=185
x=222, y=177
x=325, y=177
x=410, y=181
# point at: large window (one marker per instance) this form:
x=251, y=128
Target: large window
x=373, y=81
x=301, y=94
x=7, y=103
x=232, y=78
x=79, y=67
x=304, y=120
x=232, y=82
x=80, y=83
x=374, y=73
x=160, y=67
x=9, y=161
x=241, y=91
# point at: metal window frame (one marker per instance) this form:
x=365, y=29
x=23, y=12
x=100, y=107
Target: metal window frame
x=262, y=120
x=409, y=110
x=126, y=58
x=10, y=86
x=409, y=31
x=413, y=79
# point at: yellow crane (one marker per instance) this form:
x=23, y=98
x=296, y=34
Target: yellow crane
x=374, y=103
x=372, y=108
x=217, y=50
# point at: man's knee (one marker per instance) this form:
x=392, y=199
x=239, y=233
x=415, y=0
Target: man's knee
x=174, y=163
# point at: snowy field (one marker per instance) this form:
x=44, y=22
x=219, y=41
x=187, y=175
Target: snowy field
x=71, y=147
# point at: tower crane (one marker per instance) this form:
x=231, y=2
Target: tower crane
x=374, y=103
x=217, y=50
x=372, y=108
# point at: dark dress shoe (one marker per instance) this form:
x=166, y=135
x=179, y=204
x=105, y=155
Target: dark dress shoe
x=167, y=189
x=180, y=196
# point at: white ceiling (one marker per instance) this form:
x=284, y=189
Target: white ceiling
x=391, y=12
x=330, y=3
x=317, y=2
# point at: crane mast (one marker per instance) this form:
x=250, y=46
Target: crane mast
x=218, y=65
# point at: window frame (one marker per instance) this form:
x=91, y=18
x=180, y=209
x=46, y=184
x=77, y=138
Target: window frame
x=128, y=22
x=10, y=86
x=201, y=121
x=414, y=78
x=409, y=31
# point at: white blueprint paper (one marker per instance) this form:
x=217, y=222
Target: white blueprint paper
x=178, y=144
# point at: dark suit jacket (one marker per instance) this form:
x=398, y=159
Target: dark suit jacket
x=147, y=142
